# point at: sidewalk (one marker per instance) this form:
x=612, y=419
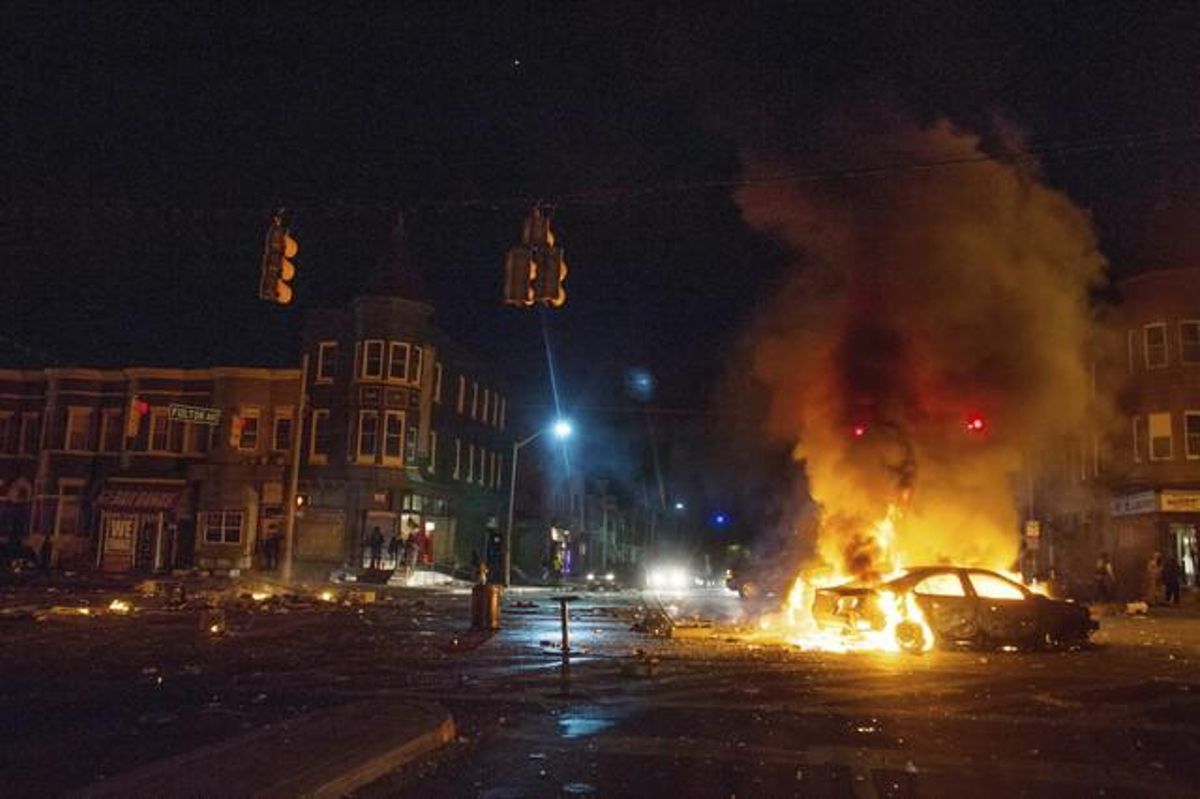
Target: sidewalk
x=327, y=753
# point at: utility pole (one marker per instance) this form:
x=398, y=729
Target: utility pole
x=289, y=524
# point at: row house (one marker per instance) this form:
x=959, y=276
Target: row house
x=152, y=469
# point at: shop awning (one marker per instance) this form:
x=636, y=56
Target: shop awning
x=138, y=499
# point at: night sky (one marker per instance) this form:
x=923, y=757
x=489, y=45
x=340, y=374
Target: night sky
x=147, y=142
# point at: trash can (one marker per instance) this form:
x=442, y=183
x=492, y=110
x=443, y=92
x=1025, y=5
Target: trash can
x=485, y=607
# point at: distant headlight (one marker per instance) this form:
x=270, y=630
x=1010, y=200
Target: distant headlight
x=591, y=577
x=670, y=578
x=610, y=577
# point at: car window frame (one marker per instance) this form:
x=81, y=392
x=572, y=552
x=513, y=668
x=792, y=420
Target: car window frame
x=1026, y=594
x=963, y=584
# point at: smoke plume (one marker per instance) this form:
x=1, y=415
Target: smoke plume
x=922, y=299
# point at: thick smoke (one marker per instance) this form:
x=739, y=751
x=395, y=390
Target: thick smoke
x=922, y=298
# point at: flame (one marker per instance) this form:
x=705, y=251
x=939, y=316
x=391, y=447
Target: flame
x=119, y=606
x=903, y=624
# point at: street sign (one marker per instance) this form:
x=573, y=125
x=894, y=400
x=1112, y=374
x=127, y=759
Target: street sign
x=194, y=413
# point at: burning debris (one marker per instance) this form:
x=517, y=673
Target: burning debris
x=932, y=342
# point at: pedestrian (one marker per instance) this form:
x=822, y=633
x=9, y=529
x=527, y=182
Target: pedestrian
x=479, y=569
x=394, y=550
x=46, y=552
x=1106, y=578
x=271, y=549
x=376, y=544
x=412, y=550
x=1154, y=579
x=1170, y=579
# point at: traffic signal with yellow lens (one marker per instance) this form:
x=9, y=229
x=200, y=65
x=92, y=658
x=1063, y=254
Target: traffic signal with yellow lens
x=277, y=267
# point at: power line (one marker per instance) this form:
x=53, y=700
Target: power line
x=611, y=195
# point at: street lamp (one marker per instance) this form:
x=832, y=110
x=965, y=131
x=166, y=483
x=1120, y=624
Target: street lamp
x=561, y=430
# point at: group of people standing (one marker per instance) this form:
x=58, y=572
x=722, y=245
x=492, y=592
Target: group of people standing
x=1161, y=584
x=403, y=552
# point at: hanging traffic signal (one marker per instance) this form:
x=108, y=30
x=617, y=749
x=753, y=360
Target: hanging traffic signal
x=277, y=268
x=138, y=408
x=518, y=276
x=551, y=271
x=976, y=423
x=535, y=269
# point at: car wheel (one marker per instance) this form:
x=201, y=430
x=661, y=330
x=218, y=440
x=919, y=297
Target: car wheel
x=910, y=637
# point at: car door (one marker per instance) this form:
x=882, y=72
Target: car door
x=1006, y=611
x=949, y=609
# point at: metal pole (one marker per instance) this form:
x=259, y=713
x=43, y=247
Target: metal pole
x=289, y=524
x=512, y=501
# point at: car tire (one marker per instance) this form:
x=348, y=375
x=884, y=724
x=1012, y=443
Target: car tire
x=911, y=637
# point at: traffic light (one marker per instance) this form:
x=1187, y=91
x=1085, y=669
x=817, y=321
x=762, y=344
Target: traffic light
x=976, y=423
x=518, y=276
x=535, y=269
x=277, y=268
x=550, y=272
x=138, y=408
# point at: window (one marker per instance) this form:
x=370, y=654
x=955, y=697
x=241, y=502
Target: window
x=437, y=382
x=175, y=436
x=223, y=527
x=30, y=433
x=1161, y=447
x=495, y=471
x=940, y=585
x=393, y=437
x=499, y=471
x=470, y=463
x=79, y=429
x=474, y=400
x=158, y=430
x=372, y=360
x=433, y=445
x=503, y=410
x=457, y=457
x=462, y=393
x=1156, y=346
x=1141, y=438
x=398, y=362
x=70, y=497
x=1132, y=346
x=248, y=433
x=198, y=438
x=415, y=365
x=319, y=448
x=327, y=361
x=110, y=430
x=990, y=586
x=6, y=430
x=1189, y=341
x=487, y=401
x=368, y=435
x=1191, y=434
x=281, y=438
x=496, y=410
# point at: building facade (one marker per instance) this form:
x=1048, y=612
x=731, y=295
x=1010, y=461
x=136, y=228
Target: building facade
x=1155, y=470
x=153, y=469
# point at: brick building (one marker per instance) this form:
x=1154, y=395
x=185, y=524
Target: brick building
x=1155, y=470
x=403, y=432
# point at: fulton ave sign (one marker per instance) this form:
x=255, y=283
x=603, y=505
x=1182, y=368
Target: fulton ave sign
x=194, y=413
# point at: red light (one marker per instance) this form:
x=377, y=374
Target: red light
x=860, y=430
x=975, y=424
x=141, y=406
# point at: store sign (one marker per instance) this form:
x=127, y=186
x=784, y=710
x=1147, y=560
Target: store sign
x=1134, y=504
x=1180, y=501
x=194, y=413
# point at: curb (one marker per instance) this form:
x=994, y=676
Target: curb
x=324, y=754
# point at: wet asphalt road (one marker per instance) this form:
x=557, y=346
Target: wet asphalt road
x=722, y=717
x=86, y=698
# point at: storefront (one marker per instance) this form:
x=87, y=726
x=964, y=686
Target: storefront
x=1165, y=521
x=138, y=526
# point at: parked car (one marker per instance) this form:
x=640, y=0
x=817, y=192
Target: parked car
x=962, y=606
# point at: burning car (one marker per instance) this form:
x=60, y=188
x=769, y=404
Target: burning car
x=951, y=606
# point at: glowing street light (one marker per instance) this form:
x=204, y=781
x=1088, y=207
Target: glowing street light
x=561, y=429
